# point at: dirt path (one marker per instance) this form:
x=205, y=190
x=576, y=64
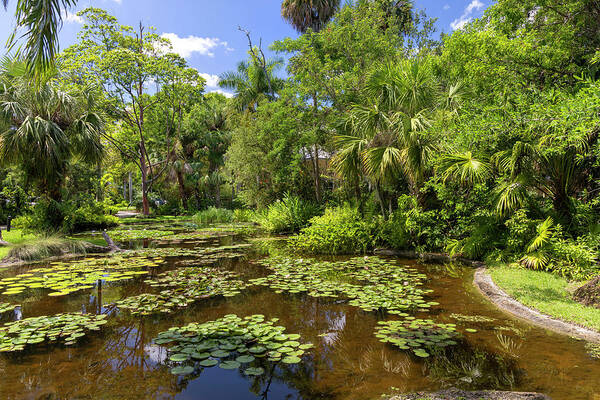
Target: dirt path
x=483, y=281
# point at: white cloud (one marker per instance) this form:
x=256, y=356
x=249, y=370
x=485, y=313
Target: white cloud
x=185, y=47
x=446, y=6
x=212, y=81
x=467, y=15
x=224, y=93
x=69, y=17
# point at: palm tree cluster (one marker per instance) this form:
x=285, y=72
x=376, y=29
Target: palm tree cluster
x=386, y=136
x=44, y=127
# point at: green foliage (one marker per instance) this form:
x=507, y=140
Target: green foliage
x=49, y=216
x=287, y=215
x=411, y=227
x=40, y=249
x=214, y=215
x=340, y=230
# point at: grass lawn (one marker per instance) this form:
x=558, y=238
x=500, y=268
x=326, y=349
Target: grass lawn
x=546, y=293
x=15, y=236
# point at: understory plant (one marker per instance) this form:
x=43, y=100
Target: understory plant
x=43, y=248
x=290, y=214
x=550, y=250
x=214, y=215
x=340, y=230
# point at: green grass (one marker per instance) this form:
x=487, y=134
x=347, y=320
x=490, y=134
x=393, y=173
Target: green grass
x=14, y=237
x=546, y=293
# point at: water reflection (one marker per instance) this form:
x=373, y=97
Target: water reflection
x=348, y=362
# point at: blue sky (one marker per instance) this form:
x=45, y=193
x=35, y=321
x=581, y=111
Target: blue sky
x=205, y=32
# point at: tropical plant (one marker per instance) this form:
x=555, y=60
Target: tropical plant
x=47, y=127
x=252, y=82
x=287, y=215
x=386, y=135
x=41, y=20
x=309, y=14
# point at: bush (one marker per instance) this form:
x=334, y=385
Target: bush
x=340, y=230
x=49, y=216
x=409, y=227
x=240, y=215
x=91, y=216
x=288, y=215
x=214, y=215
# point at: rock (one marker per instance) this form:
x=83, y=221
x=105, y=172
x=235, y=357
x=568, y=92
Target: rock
x=589, y=294
x=456, y=394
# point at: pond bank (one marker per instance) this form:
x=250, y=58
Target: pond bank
x=455, y=394
x=486, y=285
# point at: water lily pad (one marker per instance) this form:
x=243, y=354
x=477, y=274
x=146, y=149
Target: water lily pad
x=209, y=362
x=229, y=365
x=254, y=371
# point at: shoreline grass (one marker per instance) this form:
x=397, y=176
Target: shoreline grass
x=546, y=293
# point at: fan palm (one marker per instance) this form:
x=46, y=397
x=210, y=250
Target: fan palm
x=309, y=14
x=45, y=127
x=252, y=83
x=41, y=21
x=386, y=135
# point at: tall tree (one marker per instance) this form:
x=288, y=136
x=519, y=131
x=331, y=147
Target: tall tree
x=252, y=82
x=138, y=76
x=309, y=14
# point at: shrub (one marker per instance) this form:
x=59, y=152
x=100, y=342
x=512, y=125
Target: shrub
x=409, y=227
x=288, y=215
x=240, y=215
x=213, y=215
x=91, y=216
x=340, y=230
x=49, y=216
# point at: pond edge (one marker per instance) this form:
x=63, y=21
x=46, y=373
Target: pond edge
x=488, y=288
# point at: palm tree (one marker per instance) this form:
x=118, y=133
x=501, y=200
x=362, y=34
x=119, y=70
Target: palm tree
x=44, y=127
x=386, y=136
x=309, y=14
x=41, y=21
x=252, y=83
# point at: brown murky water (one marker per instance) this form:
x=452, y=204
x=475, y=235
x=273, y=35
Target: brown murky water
x=348, y=363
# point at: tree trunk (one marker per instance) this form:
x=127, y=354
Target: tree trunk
x=144, y=170
x=2, y=242
x=182, y=192
x=218, y=194
x=380, y=199
x=317, y=173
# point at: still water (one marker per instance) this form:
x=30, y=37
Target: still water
x=348, y=362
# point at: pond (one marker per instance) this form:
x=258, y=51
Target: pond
x=132, y=354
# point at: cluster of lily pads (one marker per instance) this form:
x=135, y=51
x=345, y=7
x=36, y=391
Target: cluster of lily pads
x=417, y=335
x=65, y=278
x=122, y=235
x=200, y=254
x=60, y=328
x=6, y=307
x=369, y=283
x=181, y=287
x=232, y=343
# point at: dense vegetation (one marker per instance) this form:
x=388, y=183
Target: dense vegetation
x=375, y=133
